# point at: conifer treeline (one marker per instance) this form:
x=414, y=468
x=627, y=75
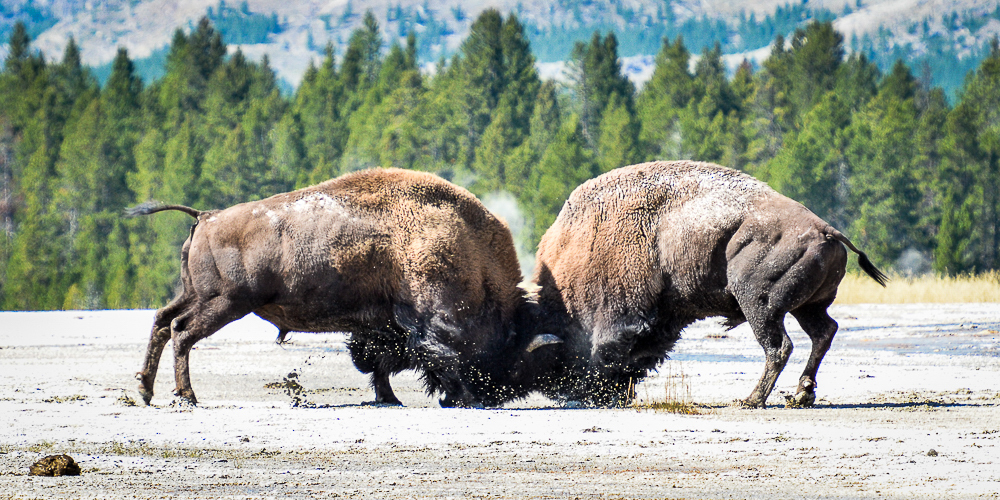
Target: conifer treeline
x=884, y=158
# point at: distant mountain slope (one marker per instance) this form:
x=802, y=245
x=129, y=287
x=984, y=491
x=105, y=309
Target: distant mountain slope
x=940, y=33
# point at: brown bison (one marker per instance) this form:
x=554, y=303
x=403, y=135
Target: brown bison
x=416, y=269
x=640, y=252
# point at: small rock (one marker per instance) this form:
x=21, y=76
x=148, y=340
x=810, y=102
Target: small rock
x=932, y=453
x=55, y=465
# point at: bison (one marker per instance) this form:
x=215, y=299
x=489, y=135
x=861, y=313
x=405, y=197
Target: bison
x=641, y=252
x=415, y=268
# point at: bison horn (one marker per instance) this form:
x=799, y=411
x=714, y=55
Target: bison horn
x=543, y=340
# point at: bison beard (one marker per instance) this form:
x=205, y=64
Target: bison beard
x=641, y=252
x=415, y=268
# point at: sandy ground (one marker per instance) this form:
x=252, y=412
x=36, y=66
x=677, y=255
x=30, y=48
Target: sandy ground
x=900, y=382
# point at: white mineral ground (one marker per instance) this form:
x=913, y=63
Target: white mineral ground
x=899, y=382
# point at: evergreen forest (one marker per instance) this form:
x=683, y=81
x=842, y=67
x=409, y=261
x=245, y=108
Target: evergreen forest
x=885, y=157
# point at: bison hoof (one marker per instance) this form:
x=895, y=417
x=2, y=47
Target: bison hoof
x=147, y=396
x=184, y=402
x=448, y=402
x=748, y=403
x=382, y=404
x=802, y=399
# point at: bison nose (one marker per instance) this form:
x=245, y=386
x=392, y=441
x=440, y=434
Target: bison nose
x=607, y=357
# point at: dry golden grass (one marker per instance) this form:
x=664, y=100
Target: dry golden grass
x=677, y=394
x=860, y=289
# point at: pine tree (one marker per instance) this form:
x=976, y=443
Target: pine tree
x=23, y=81
x=883, y=189
x=618, y=144
x=961, y=193
x=931, y=129
x=596, y=76
x=152, y=240
x=770, y=115
x=378, y=135
x=817, y=52
x=812, y=168
x=521, y=78
x=121, y=130
x=35, y=273
x=485, y=76
x=499, y=95
x=242, y=107
x=318, y=104
x=662, y=98
x=497, y=142
x=543, y=125
x=857, y=81
x=18, y=50
x=95, y=161
x=970, y=239
x=362, y=62
x=710, y=123
x=566, y=164
x=190, y=64
x=443, y=120
x=33, y=280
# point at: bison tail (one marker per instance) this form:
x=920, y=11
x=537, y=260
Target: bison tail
x=865, y=264
x=151, y=207
x=871, y=270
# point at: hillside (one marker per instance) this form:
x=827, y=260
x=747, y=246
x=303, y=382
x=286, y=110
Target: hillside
x=941, y=32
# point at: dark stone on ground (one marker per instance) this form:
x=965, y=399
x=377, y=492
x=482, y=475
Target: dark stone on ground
x=55, y=465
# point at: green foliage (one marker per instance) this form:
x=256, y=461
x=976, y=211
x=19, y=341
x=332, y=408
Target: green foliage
x=661, y=100
x=970, y=237
x=885, y=159
x=597, y=80
x=567, y=162
x=883, y=189
x=811, y=168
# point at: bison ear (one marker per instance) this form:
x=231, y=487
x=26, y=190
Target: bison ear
x=543, y=340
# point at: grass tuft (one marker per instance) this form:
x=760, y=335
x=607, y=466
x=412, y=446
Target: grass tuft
x=677, y=395
x=41, y=446
x=860, y=289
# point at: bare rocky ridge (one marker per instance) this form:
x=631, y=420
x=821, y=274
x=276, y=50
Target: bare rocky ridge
x=898, y=382
x=100, y=27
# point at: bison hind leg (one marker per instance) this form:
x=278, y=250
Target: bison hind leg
x=821, y=328
x=158, y=338
x=199, y=320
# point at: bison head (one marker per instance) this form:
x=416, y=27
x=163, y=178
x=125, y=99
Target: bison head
x=513, y=367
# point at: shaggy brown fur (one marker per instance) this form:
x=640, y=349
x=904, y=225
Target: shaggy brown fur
x=639, y=253
x=414, y=267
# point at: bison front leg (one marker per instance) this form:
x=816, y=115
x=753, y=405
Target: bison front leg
x=383, y=390
x=382, y=359
x=821, y=328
